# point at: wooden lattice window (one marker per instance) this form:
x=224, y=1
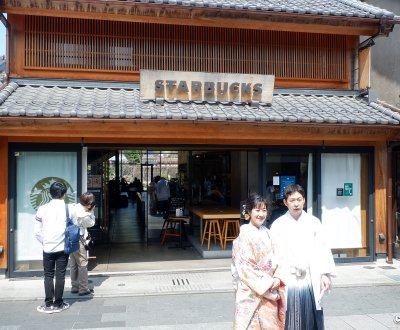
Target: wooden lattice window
x=91, y=45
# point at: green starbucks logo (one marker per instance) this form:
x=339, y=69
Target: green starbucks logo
x=40, y=193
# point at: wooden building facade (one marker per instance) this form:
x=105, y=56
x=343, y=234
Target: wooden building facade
x=74, y=69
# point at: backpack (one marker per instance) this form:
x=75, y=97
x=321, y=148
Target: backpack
x=72, y=235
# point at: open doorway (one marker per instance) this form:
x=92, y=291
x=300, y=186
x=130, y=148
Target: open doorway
x=129, y=219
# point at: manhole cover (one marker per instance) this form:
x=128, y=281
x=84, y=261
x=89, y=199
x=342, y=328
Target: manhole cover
x=369, y=267
x=387, y=267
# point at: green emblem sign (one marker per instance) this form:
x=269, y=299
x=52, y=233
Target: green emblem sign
x=348, y=189
x=40, y=193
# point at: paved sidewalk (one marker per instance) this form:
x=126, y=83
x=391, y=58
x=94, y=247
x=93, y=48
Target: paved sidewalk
x=218, y=280
x=194, y=281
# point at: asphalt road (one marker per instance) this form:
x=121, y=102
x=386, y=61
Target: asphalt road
x=190, y=311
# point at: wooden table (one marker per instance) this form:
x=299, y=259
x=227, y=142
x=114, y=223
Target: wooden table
x=214, y=212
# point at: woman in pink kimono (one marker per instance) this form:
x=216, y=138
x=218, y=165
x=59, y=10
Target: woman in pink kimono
x=259, y=291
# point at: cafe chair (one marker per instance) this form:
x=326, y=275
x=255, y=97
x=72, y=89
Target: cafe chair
x=176, y=203
x=211, y=229
x=230, y=230
x=174, y=227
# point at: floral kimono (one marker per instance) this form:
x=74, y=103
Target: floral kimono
x=253, y=268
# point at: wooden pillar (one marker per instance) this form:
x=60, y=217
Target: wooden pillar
x=3, y=200
x=380, y=197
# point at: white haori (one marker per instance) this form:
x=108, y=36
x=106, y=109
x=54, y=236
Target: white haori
x=301, y=248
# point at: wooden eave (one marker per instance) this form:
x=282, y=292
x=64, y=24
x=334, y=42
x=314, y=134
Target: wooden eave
x=200, y=16
x=192, y=132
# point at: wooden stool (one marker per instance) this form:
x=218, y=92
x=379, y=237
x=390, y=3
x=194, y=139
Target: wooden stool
x=230, y=230
x=211, y=228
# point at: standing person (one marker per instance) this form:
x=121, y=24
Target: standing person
x=151, y=190
x=260, y=298
x=306, y=261
x=81, y=215
x=163, y=196
x=49, y=229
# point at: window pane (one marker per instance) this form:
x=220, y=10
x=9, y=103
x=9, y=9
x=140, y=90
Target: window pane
x=35, y=173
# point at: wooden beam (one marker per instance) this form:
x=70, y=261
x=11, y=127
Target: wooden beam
x=3, y=201
x=193, y=132
x=380, y=196
x=364, y=68
x=228, y=18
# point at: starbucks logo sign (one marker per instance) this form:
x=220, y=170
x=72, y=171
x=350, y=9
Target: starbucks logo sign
x=40, y=193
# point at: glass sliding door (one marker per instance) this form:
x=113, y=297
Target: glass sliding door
x=282, y=169
x=34, y=172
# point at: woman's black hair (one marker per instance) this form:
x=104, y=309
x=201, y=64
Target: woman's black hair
x=254, y=201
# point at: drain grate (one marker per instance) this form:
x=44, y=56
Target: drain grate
x=189, y=282
x=180, y=281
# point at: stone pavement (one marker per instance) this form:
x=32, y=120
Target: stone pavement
x=218, y=280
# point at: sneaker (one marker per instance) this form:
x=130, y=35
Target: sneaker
x=63, y=307
x=74, y=291
x=45, y=309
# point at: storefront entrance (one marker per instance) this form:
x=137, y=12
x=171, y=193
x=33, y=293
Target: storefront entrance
x=338, y=184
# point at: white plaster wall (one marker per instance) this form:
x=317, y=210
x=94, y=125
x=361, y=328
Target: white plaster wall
x=385, y=72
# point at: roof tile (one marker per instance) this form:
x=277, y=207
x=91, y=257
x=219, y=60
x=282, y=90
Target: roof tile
x=351, y=8
x=83, y=102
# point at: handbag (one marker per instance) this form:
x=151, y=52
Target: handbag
x=72, y=234
x=87, y=242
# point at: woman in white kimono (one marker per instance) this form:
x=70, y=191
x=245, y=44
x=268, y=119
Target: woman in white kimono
x=305, y=259
x=259, y=291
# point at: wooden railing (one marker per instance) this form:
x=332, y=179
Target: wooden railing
x=90, y=45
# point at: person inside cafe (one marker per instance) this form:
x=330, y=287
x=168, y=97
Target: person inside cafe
x=163, y=195
x=215, y=195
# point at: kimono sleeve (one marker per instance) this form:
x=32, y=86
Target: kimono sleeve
x=247, y=269
x=325, y=258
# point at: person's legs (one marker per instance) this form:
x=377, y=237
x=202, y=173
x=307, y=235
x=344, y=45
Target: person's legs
x=61, y=267
x=73, y=263
x=48, y=268
x=82, y=269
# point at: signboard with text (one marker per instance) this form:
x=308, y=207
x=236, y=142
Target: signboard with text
x=202, y=86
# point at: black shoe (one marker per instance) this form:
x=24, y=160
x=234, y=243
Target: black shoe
x=74, y=291
x=85, y=293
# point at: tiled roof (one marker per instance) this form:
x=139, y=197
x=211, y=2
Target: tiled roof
x=348, y=8
x=123, y=103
